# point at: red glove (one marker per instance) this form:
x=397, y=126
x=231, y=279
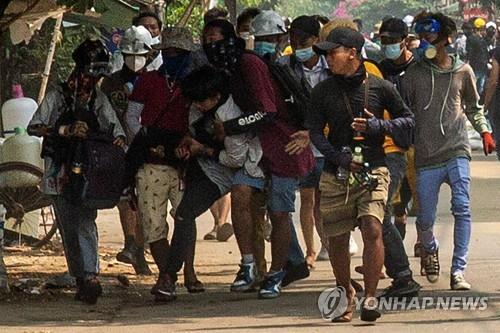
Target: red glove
x=488, y=143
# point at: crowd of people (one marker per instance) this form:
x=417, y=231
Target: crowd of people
x=260, y=111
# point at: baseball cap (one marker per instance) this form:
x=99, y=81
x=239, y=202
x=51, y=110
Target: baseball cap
x=338, y=37
x=394, y=27
x=306, y=24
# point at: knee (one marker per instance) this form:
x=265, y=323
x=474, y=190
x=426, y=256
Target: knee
x=460, y=207
x=371, y=229
x=241, y=196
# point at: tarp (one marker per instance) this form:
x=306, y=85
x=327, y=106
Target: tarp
x=29, y=17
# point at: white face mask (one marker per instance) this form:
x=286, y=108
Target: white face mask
x=155, y=40
x=135, y=63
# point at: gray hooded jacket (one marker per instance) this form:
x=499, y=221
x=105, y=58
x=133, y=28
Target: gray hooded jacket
x=441, y=99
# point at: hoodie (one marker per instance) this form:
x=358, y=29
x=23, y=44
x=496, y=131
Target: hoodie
x=441, y=100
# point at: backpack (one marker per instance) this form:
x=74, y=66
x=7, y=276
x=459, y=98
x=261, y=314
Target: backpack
x=99, y=184
x=296, y=94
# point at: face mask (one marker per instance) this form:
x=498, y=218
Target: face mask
x=263, y=48
x=392, y=51
x=245, y=35
x=155, y=40
x=176, y=66
x=135, y=63
x=304, y=54
x=223, y=53
x=427, y=50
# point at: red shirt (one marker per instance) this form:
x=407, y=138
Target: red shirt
x=163, y=107
x=254, y=90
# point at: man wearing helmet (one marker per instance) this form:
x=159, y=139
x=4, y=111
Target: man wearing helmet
x=270, y=33
x=137, y=54
x=477, y=53
x=77, y=96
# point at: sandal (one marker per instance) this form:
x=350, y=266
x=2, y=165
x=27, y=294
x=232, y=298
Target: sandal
x=347, y=315
x=194, y=287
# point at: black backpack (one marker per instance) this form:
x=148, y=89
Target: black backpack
x=294, y=91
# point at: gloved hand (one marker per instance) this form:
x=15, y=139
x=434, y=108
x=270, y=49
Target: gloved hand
x=488, y=143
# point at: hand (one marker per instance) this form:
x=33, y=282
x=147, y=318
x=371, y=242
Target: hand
x=79, y=129
x=219, y=132
x=355, y=167
x=120, y=142
x=300, y=141
x=195, y=147
x=488, y=143
x=182, y=153
x=361, y=124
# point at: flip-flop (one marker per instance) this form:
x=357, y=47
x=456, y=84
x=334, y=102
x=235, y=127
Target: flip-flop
x=224, y=232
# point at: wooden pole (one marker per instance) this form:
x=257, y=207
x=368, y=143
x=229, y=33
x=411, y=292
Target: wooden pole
x=50, y=58
x=187, y=13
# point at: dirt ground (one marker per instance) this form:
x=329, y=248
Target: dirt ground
x=131, y=309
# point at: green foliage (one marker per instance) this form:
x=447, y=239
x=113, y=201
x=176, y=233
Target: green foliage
x=306, y=7
x=176, y=9
x=372, y=12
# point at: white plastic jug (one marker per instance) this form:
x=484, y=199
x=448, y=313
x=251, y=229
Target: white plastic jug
x=21, y=148
x=18, y=111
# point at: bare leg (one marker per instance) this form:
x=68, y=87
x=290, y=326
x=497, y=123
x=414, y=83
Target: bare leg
x=307, y=206
x=159, y=251
x=259, y=219
x=242, y=218
x=220, y=210
x=373, y=253
x=280, y=239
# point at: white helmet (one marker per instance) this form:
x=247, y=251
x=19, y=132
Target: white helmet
x=408, y=19
x=491, y=24
x=268, y=23
x=136, y=40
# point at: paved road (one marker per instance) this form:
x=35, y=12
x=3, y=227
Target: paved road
x=295, y=311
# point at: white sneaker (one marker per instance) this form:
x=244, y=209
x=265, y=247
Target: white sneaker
x=458, y=282
x=353, y=247
x=323, y=254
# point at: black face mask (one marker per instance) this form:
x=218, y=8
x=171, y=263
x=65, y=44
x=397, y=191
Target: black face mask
x=224, y=54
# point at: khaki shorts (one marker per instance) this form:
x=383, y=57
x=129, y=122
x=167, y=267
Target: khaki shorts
x=156, y=185
x=339, y=216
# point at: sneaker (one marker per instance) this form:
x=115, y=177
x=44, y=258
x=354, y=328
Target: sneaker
x=212, y=235
x=245, y=278
x=430, y=264
x=458, y=282
x=271, y=287
x=294, y=273
x=406, y=287
x=165, y=289
x=369, y=310
x=90, y=291
x=323, y=254
x=353, y=247
x=224, y=232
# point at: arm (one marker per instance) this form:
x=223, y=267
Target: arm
x=470, y=98
x=401, y=116
x=39, y=124
x=492, y=84
x=316, y=122
x=260, y=90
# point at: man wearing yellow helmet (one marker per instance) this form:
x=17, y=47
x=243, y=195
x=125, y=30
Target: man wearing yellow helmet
x=477, y=53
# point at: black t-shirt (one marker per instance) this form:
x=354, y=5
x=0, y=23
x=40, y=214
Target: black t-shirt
x=477, y=53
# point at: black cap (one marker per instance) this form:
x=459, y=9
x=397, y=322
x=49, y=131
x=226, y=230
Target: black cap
x=338, y=37
x=393, y=27
x=307, y=25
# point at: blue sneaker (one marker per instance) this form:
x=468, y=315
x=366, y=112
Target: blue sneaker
x=271, y=287
x=245, y=278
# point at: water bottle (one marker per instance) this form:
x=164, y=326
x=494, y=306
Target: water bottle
x=357, y=156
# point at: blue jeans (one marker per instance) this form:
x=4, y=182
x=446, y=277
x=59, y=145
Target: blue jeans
x=79, y=235
x=456, y=173
x=295, y=254
x=396, y=260
x=481, y=77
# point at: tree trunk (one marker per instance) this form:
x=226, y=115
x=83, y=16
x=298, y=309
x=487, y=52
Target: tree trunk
x=231, y=7
x=187, y=13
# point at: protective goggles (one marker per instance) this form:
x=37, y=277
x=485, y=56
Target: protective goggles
x=428, y=25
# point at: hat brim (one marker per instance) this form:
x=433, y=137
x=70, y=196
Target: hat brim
x=169, y=43
x=325, y=47
x=392, y=34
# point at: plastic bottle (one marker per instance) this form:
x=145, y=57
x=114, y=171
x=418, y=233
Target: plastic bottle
x=21, y=148
x=18, y=111
x=357, y=156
